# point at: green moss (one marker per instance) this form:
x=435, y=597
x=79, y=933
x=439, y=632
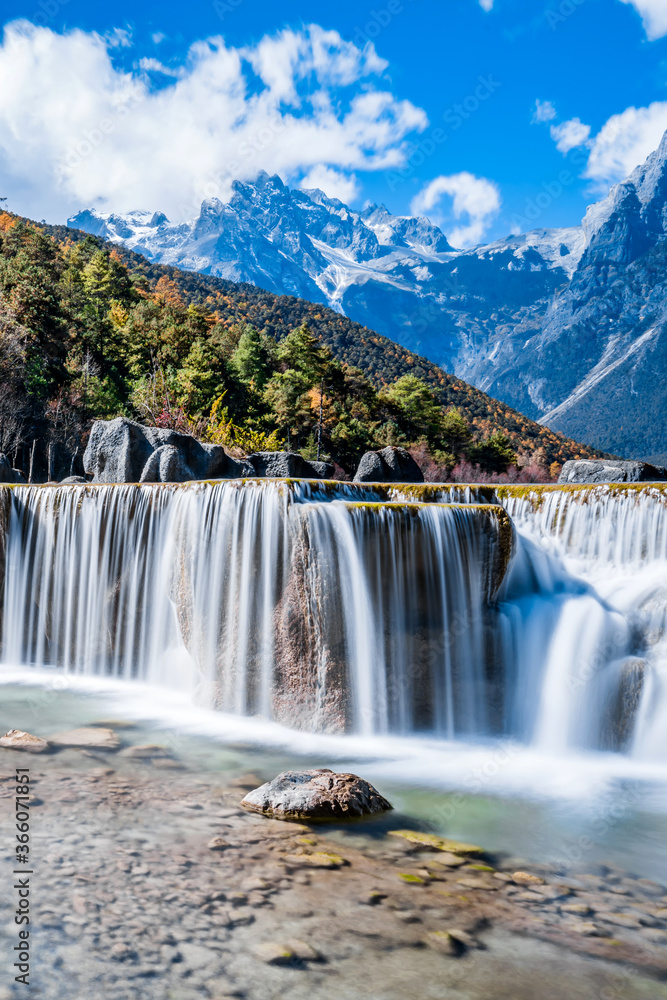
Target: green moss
x=376, y=506
x=436, y=842
x=536, y=494
x=411, y=879
x=421, y=492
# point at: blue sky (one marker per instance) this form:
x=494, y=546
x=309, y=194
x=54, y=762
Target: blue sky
x=487, y=116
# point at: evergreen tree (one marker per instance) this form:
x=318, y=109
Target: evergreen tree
x=250, y=361
x=304, y=353
x=495, y=454
x=200, y=380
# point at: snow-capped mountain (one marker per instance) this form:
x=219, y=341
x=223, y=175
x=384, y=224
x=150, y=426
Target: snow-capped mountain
x=566, y=325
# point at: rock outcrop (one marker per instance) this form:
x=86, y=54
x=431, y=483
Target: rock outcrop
x=287, y=465
x=610, y=471
x=390, y=465
x=123, y=451
x=316, y=794
x=7, y=474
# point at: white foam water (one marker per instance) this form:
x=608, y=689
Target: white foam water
x=243, y=596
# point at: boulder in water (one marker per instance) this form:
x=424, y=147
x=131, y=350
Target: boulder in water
x=287, y=465
x=73, y=481
x=610, y=471
x=317, y=794
x=88, y=737
x=16, y=739
x=390, y=465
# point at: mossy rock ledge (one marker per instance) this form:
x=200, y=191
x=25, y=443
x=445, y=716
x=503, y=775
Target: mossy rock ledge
x=317, y=794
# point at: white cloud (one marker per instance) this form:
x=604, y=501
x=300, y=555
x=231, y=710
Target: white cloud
x=570, y=134
x=75, y=131
x=158, y=37
x=155, y=66
x=654, y=16
x=486, y=4
x=334, y=183
x=474, y=197
x=625, y=141
x=544, y=111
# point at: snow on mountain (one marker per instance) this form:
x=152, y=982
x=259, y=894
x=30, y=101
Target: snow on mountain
x=293, y=241
x=554, y=322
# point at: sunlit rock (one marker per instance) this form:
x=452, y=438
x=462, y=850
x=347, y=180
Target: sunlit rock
x=316, y=794
x=610, y=471
x=390, y=465
x=16, y=739
x=124, y=451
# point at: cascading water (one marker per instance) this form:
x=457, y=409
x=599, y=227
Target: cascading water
x=327, y=613
x=599, y=557
x=359, y=608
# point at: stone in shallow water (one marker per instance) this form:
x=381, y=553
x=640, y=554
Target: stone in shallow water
x=286, y=952
x=315, y=794
x=16, y=739
x=526, y=878
x=99, y=739
x=317, y=860
x=433, y=841
x=147, y=751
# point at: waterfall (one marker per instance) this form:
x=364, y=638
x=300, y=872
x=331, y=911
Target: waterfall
x=323, y=611
x=598, y=556
x=464, y=612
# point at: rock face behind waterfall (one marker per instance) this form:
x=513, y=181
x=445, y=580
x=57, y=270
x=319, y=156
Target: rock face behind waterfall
x=123, y=451
x=391, y=465
x=610, y=471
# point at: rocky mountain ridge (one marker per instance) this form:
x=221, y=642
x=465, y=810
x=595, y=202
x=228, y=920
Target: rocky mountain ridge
x=565, y=325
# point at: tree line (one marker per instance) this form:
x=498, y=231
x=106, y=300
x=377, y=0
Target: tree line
x=85, y=337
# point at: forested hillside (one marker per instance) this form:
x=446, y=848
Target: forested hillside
x=90, y=331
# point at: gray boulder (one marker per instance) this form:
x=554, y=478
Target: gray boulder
x=390, y=465
x=317, y=794
x=607, y=470
x=73, y=481
x=123, y=451
x=7, y=474
x=166, y=465
x=287, y=465
x=323, y=470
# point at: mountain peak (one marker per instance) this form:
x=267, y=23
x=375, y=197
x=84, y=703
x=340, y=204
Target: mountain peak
x=632, y=217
